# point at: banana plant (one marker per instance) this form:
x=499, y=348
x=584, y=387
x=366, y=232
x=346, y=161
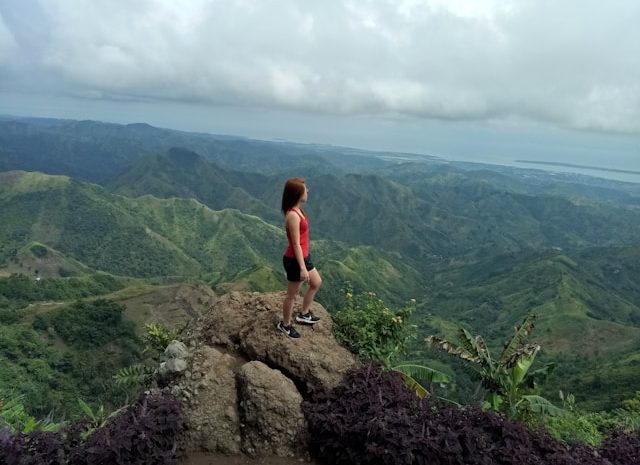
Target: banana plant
x=512, y=386
x=416, y=376
x=99, y=418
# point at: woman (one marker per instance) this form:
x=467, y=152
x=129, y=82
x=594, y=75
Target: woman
x=296, y=258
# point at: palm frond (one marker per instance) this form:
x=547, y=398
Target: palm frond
x=475, y=346
x=538, y=404
x=539, y=376
x=522, y=353
x=414, y=385
x=452, y=348
x=521, y=361
x=133, y=376
x=423, y=373
x=483, y=350
x=87, y=410
x=518, y=338
x=469, y=343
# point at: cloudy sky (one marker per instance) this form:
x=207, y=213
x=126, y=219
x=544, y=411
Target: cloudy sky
x=504, y=79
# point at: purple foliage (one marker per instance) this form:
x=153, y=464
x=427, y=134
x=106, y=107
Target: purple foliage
x=11, y=447
x=622, y=448
x=145, y=433
x=44, y=447
x=372, y=418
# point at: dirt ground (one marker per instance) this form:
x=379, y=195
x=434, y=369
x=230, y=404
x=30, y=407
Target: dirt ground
x=219, y=459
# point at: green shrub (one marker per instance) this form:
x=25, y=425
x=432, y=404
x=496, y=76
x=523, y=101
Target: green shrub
x=632, y=405
x=92, y=324
x=159, y=337
x=19, y=289
x=575, y=427
x=593, y=427
x=371, y=330
x=156, y=340
x=9, y=316
x=15, y=418
x=39, y=251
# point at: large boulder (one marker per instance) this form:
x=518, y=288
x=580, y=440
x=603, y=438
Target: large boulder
x=209, y=401
x=270, y=411
x=247, y=323
x=243, y=381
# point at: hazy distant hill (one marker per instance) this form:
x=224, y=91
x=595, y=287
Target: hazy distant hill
x=578, y=188
x=95, y=151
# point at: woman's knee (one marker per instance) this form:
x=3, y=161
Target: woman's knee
x=315, y=282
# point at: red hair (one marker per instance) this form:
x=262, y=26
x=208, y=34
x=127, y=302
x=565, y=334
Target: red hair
x=293, y=191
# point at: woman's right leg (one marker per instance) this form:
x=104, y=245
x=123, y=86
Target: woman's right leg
x=315, y=281
x=293, y=288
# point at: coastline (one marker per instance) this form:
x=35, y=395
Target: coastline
x=584, y=167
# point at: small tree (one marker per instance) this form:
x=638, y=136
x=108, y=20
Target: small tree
x=373, y=331
x=513, y=389
x=159, y=337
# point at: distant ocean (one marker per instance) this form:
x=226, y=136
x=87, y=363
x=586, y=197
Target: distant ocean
x=622, y=169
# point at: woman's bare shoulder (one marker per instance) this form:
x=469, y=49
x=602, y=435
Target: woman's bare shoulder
x=291, y=217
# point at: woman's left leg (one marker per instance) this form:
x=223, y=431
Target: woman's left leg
x=315, y=281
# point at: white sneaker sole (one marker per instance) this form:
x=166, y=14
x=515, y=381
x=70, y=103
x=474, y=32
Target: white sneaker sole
x=284, y=331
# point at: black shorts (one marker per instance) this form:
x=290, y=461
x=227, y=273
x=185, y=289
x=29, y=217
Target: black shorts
x=293, y=269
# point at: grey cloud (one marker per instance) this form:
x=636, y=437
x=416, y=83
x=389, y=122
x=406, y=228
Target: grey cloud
x=8, y=45
x=571, y=63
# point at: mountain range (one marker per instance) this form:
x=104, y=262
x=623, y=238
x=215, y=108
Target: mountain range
x=476, y=245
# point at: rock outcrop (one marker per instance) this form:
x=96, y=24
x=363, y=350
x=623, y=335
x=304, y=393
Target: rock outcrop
x=210, y=402
x=270, y=410
x=241, y=382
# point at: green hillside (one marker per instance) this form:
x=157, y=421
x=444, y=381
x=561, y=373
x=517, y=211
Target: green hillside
x=69, y=352
x=366, y=269
x=587, y=313
x=455, y=215
x=475, y=245
x=64, y=338
x=151, y=237
x=38, y=260
x=185, y=174
x=82, y=221
x=422, y=210
x=137, y=237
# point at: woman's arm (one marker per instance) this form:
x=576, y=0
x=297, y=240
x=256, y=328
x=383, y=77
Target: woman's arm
x=292, y=223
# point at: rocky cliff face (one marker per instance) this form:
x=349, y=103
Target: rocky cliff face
x=241, y=382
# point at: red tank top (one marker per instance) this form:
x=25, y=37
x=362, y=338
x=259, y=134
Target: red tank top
x=304, y=237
